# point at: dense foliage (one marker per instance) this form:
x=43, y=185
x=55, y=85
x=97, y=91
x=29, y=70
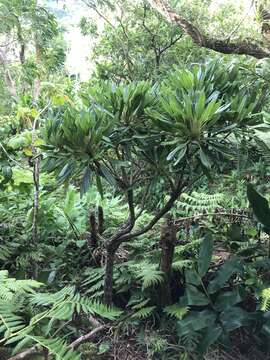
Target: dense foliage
x=134, y=205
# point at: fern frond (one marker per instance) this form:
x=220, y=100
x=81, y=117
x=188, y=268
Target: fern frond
x=191, y=340
x=265, y=299
x=56, y=347
x=198, y=202
x=176, y=311
x=10, y=322
x=190, y=246
x=143, y=312
x=94, y=281
x=65, y=302
x=45, y=299
x=6, y=250
x=182, y=264
x=148, y=274
x=9, y=286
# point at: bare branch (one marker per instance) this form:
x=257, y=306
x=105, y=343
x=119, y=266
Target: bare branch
x=26, y=353
x=244, y=47
x=171, y=43
x=8, y=78
x=82, y=339
x=92, y=6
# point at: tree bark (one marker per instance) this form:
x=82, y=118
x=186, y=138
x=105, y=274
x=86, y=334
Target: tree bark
x=125, y=234
x=100, y=220
x=245, y=47
x=167, y=244
x=93, y=238
x=108, y=280
x=35, y=240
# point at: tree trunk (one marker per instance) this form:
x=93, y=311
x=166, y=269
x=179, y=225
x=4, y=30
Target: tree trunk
x=100, y=220
x=108, y=281
x=93, y=238
x=167, y=244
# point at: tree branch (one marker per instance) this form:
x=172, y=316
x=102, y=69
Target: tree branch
x=82, y=339
x=86, y=337
x=157, y=217
x=128, y=226
x=26, y=353
x=222, y=46
x=8, y=78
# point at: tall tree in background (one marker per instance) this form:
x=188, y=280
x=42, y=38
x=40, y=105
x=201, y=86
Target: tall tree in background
x=31, y=48
x=31, y=45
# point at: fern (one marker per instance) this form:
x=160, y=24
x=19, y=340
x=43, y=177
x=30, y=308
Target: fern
x=190, y=246
x=17, y=296
x=156, y=344
x=148, y=274
x=9, y=286
x=176, y=311
x=198, y=202
x=143, y=313
x=6, y=250
x=265, y=299
x=66, y=302
x=56, y=347
x=93, y=282
x=191, y=340
x=182, y=264
x=10, y=322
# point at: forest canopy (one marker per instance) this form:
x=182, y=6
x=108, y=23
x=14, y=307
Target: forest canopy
x=134, y=189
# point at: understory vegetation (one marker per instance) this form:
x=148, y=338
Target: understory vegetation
x=134, y=205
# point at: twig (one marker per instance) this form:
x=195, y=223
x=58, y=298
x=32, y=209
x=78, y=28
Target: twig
x=13, y=160
x=22, y=355
x=239, y=24
x=86, y=337
x=240, y=47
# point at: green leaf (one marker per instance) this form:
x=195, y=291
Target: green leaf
x=196, y=321
x=192, y=277
x=260, y=206
x=234, y=318
x=210, y=336
x=196, y=297
x=230, y=268
x=204, y=159
x=228, y=298
x=85, y=180
x=66, y=172
x=104, y=347
x=143, y=313
x=107, y=175
x=99, y=186
x=205, y=255
x=180, y=156
x=80, y=243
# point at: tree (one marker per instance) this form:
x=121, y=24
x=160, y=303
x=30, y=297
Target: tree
x=138, y=136
x=256, y=49
x=30, y=46
x=31, y=49
x=136, y=43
